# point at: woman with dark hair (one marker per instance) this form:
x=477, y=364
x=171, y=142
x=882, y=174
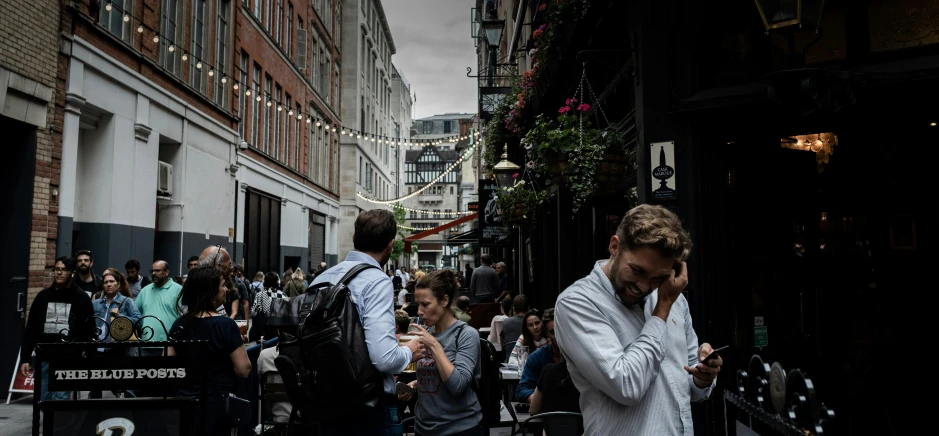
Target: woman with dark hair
x=113, y=301
x=446, y=402
x=261, y=309
x=205, y=290
x=533, y=336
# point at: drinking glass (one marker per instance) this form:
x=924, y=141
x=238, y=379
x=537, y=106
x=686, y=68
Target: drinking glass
x=522, y=359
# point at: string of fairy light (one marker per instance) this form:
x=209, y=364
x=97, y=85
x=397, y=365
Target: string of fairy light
x=270, y=101
x=466, y=154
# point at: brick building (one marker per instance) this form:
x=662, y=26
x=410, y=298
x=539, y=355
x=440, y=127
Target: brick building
x=137, y=133
x=32, y=149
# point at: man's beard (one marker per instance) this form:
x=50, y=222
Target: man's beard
x=83, y=269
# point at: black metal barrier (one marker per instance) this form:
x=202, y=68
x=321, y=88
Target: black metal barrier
x=770, y=401
x=82, y=366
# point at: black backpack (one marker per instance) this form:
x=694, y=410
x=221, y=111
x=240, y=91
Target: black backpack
x=325, y=367
x=489, y=391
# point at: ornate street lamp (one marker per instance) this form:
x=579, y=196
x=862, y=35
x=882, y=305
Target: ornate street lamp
x=505, y=169
x=776, y=14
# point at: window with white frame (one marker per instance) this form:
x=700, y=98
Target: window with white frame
x=113, y=20
x=289, y=30
x=197, y=74
x=257, y=9
x=268, y=107
x=255, y=106
x=278, y=20
x=314, y=60
x=223, y=15
x=324, y=157
x=243, y=80
x=288, y=135
x=311, y=168
x=277, y=108
x=268, y=14
x=296, y=129
x=324, y=75
x=368, y=177
x=169, y=30
x=336, y=98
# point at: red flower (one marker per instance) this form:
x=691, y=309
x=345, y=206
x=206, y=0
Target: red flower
x=583, y=107
x=537, y=33
x=542, y=7
x=515, y=176
x=564, y=109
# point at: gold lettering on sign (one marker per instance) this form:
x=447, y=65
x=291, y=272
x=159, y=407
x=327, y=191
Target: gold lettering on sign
x=903, y=24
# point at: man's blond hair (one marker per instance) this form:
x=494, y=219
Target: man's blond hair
x=655, y=227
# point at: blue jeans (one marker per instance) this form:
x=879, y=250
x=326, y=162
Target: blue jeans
x=45, y=394
x=373, y=421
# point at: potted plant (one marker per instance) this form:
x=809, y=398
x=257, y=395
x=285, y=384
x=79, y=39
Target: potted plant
x=519, y=202
x=572, y=152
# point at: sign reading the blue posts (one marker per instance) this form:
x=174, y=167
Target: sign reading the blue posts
x=662, y=156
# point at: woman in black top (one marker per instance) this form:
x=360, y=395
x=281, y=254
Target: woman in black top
x=206, y=289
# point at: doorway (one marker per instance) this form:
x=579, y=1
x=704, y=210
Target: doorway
x=15, y=219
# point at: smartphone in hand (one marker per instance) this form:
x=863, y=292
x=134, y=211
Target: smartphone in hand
x=714, y=354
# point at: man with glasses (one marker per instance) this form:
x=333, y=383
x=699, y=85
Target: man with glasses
x=158, y=299
x=60, y=312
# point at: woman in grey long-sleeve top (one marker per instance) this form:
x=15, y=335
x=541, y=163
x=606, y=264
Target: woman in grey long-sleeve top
x=446, y=402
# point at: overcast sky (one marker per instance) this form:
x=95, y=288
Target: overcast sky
x=433, y=43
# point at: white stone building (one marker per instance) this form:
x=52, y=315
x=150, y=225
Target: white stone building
x=367, y=160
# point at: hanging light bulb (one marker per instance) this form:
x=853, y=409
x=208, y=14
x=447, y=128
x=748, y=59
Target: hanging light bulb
x=172, y=48
x=308, y=120
x=334, y=129
x=290, y=112
x=156, y=38
x=258, y=98
x=199, y=65
x=358, y=136
x=139, y=28
x=211, y=73
x=317, y=123
x=235, y=87
x=269, y=103
x=126, y=18
x=108, y=7
x=343, y=131
x=225, y=80
x=299, y=116
x=279, y=108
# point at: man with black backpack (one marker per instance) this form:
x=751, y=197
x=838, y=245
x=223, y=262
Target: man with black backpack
x=373, y=241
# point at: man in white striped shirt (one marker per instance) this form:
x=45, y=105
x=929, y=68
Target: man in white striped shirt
x=627, y=335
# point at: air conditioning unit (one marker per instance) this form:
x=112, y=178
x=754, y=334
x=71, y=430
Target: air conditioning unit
x=165, y=180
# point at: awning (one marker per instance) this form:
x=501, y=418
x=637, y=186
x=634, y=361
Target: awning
x=438, y=229
x=466, y=237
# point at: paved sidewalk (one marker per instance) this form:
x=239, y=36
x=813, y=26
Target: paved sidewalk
x=16, y=418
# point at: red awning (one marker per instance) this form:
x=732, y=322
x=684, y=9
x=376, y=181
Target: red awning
x=438, y=229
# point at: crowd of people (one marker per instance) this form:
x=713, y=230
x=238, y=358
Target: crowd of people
x=618, y=346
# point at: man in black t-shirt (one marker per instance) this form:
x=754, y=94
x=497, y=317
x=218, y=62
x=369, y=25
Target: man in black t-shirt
x=60, y=312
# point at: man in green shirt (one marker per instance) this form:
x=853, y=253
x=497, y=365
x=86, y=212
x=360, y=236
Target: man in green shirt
x=158, y=299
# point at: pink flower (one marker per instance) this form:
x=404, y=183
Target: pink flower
x=537, y=33
x=515, y=176
x=568, y=102
x=583, y=107
x=542, y=7
x=564, y=109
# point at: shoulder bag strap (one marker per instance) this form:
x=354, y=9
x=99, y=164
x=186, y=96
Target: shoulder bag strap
x=475, y=385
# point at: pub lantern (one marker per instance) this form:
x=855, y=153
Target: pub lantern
x=790, y=14
x=505, y=170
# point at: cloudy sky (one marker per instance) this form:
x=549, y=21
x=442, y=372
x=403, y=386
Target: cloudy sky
x=434, y=48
